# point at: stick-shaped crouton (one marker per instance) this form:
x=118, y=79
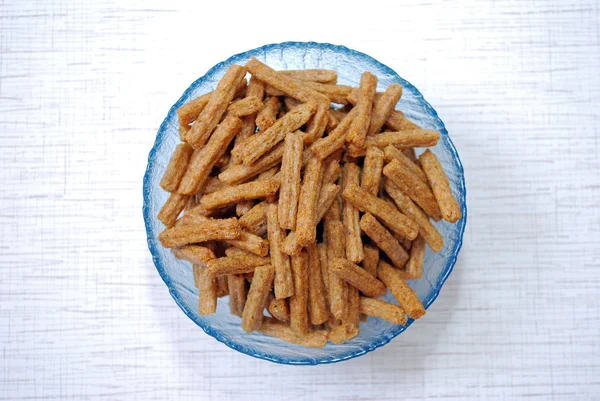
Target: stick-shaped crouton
x=384, y=240
x=299, y=301
x=244, y=107
x=239, y=173
x=194, y=253
x=357, y=277
x=360, y=125
x=234, y=265
x=246, y=241
x=324, y=147
x=429, y=233
x=314, y=75
x=257, y=298
x=317, y=305
x=337, y=288
x=306, y=230
x=289, y=86
x=440, y=186
x=417, y=138
x=176, y=168
x=238, y=292
x=261, y=142
x=289, y=192
x=391, y=153
x=408, y=183
x=251, y=243
x=236, y=193
x=284, y=284
x=327, y=196
x=396, y=120
x=350, y=216
x=217, y=229
x=317, y=124
x=335, y=93
x=207, y=286
x=393, y=219
x=402, y=292
x=372, y=169
x=383, y=310
x=204, y=159
x=172, y=208
x=383, y=107
x=208, y=119
x=255, y=89
x=190, y=111
x=331, y=169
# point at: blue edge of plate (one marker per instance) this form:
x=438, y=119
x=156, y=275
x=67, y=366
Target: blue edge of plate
x=152, y=243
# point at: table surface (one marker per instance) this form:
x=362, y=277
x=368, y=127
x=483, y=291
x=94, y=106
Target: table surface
x=85, y=85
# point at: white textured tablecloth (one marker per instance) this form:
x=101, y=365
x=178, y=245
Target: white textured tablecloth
x=83, y=88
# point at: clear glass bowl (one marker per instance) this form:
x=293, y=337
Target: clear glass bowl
x=177, y=274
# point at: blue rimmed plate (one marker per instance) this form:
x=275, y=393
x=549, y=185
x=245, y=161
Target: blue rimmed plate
x=177, y=274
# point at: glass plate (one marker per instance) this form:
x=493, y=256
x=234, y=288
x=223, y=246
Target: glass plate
x=177, y=274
